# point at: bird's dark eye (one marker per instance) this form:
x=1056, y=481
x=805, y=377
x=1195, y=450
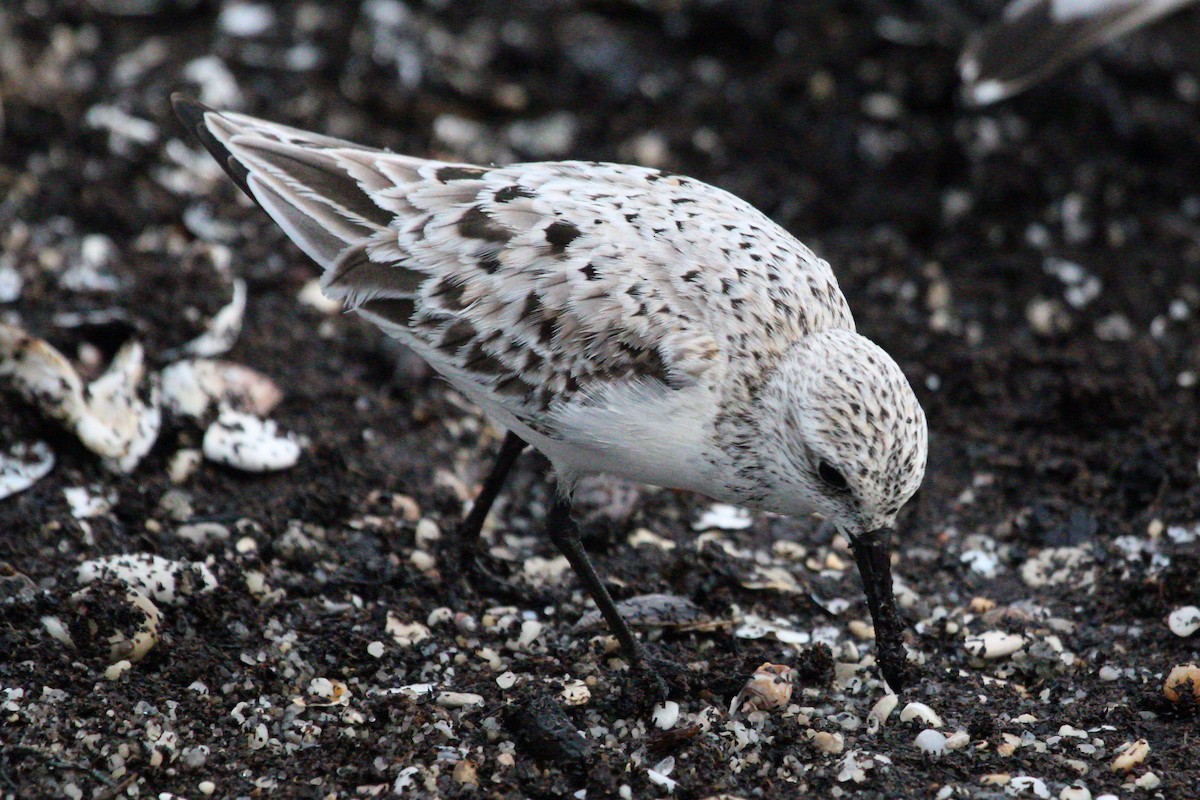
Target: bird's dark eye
x=832, y=476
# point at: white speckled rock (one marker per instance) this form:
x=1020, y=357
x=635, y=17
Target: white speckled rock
x=159, y=578
x=248, y=443
x=191, y=387
x=1184, y=621
x=23, y=465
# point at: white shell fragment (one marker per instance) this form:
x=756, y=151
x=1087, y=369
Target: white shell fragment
x=993, y=644
x=725, y=517
x=922, y=713
x=23, y=465
x=1184, y=621
x=880, y=712
x=665, y=715
x=191, y=387
x=86, y=503
x=124, y=636
x=159, y=578
x=245, y=442
x=222, y=331
x=117, y=416
x=769, y=688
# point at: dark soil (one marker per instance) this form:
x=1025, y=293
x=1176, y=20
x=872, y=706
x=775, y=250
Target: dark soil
x=1034, y=268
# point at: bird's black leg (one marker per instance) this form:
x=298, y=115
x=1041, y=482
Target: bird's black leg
x=464, y=544
x=466, y=535
x=564, y=532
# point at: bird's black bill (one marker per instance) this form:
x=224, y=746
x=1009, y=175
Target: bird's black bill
x=873, y=553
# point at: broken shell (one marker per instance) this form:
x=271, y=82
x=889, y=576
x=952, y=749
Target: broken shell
x=117, y=416
x=193, y=386
x=826, y=742
x=406, y=634
x=880, y=712
x=1184, y=621
x=159, y=578
x=1132, y=754
x=1176, y=684
x=576, y=693
x=769, y=688
x=121, y=621
x=665, y=715
x=922, y=712
x=993, y=644
x=222, y=330
x=458, y=699
x=23, y=465
x=248, y=443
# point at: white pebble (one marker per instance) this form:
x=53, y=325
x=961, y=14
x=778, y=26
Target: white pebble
x=206, y=787
x=192, y=386
x=958, y=740
x=506, y=680
x=23, y=465
x=1109, y=674
x=993, y=644
x=922, y=712
x=723, y=517
x=248, y=443
x=576, y=693
x=1075, y=793
x=162, y=579
x=931, y=742
x=1026, y=783
x=1184, y=621
x=118, y=669
x=375, y=649
x=665, y=715
x=458, y=699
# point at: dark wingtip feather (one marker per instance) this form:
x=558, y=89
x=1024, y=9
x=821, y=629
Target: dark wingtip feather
x=191, y=112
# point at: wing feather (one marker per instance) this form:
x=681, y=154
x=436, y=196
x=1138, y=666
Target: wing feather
x=536, y=284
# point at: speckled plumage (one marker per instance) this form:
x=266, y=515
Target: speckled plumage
x=619, y=318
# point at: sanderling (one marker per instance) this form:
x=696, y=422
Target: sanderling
x=617, y=318
x=1034, y=38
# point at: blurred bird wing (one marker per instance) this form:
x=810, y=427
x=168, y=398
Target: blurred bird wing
x=1035, y=38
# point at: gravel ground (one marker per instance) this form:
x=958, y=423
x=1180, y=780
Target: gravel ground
x=1035, y=269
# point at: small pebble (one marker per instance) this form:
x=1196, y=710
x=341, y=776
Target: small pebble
x=506, y=680
x=1184, y=621
x=1133, y=754
x=931, y=742
x=115, y=671
x=769, y=688
x=576, y=693
x=206, y=787
x=665, y=715
x=831, y=743
x=993, y=644
x=1075, y=793
x=375, y=649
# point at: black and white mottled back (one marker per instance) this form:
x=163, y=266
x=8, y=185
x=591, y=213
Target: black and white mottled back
x=619, y=318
